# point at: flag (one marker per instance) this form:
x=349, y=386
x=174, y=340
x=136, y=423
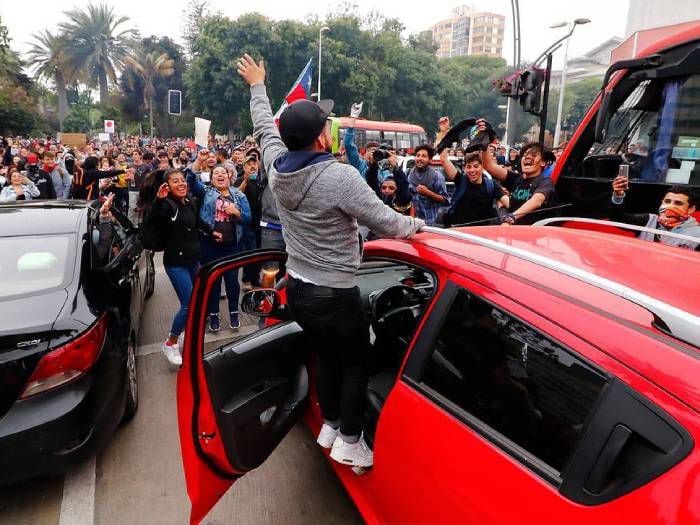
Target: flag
x=301, y=89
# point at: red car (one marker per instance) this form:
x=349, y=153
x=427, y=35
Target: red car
x=519, y=375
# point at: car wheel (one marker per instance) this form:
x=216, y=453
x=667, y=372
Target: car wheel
x=151, y=277
x=132, y=386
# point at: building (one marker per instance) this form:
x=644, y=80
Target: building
x=594, y=63
x=646, y=14
x=469, y=32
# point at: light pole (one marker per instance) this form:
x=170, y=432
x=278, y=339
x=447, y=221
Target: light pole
x=320, y=37
x=560, y=106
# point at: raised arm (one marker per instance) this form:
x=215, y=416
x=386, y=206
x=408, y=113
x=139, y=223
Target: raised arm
x=490, y=165
x=447, y=166
x=353, y=153
x=264, y=128
x=195, y=185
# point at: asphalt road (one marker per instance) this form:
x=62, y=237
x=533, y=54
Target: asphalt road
x=138, y=477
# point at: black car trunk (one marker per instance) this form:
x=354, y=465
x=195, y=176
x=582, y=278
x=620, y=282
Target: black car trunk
x=25, y=337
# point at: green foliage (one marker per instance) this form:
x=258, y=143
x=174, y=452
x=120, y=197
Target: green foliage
x=77, y=122
x=363, y=59
x=577, y=97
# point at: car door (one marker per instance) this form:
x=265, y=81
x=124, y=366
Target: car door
x=502, y=416
x=237, y=396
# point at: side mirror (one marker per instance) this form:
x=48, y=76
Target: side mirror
x=263, y=302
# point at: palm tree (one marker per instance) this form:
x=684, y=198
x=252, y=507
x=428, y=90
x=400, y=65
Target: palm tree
x=48, y=59
x=150, y=66
x=96, y=44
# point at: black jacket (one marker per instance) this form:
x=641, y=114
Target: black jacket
x=179, y=224
x=85, y=184
x=44, y=184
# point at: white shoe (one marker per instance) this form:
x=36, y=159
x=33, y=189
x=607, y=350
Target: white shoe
x=172, y=354
x=353, y=454
x=181, y=341
x=327, y=436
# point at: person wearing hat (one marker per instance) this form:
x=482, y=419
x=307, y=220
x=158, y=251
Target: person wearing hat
x=320, y=202
x=250, y=185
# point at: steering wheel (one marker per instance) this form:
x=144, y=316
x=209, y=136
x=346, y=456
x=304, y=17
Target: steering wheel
x=395, y=310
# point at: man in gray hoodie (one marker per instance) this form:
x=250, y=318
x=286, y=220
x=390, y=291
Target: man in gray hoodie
x=320, y=202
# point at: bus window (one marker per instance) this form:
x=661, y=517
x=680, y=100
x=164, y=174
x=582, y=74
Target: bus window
x=372, y=136
x=416, y=140
x=654, y=131
x=403, y=140
x=389, y=137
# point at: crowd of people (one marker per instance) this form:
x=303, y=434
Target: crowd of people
x=206, y=203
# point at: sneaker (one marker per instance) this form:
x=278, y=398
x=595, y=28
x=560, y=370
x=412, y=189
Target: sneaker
x=234, y=322
x=172, y=354
x=327, y=436
x=214, y=323
x=181, y=341
x=353, y=454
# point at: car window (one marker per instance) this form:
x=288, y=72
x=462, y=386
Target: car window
x=519, y=382
x=34, y=263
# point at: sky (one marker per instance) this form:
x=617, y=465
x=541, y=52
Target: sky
x=608, y=18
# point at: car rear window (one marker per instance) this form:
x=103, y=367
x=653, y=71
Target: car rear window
x=33, y=263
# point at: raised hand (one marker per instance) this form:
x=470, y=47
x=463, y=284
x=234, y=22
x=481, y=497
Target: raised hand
x=356, y=109
x=163, y=191
x=251, y=72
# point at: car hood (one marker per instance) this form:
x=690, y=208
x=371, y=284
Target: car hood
x=24, y=337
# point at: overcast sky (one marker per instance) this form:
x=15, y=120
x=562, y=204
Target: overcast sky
x=608, y=17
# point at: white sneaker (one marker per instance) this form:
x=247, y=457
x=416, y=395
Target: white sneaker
x=181, y=341
x=172, y=354
x=327, y=436
x=354, y=454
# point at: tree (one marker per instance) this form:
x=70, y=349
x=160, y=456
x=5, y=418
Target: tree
x=98, y=46
x=197, y=11
x=48, y=57
x=150, y=66
x=577, y=97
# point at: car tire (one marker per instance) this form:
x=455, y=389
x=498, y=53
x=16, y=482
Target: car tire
x=151, y=277
x=132, y=385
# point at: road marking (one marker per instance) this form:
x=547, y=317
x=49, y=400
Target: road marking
x=78, y=501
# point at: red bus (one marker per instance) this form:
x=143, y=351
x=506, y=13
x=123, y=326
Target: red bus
x=400, y=135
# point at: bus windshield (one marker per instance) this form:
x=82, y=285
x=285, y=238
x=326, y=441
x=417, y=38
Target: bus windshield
x=656, y=130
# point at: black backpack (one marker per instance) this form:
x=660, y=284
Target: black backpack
x=151, y=231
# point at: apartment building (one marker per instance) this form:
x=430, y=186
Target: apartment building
x=469, y=32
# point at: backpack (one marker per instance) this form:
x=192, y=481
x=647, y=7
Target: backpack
x=151, y=231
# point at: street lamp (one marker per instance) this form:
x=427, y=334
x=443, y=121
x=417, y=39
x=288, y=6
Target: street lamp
x=572, y=25
x=320, y=37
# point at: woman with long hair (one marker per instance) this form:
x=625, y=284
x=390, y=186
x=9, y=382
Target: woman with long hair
x=226, y=211
x=178, y=222
x=18, y=187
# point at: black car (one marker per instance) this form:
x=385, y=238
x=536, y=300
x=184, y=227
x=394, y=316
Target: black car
x=72, y=289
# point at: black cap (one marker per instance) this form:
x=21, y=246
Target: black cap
x=302, y=121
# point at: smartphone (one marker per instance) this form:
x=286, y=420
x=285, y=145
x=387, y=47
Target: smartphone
x=624, y=172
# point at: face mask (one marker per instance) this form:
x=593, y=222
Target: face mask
x=49, y=166
x=672, y=216
x=253, y=176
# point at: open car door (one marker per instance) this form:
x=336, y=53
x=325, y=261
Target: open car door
x=238, y=392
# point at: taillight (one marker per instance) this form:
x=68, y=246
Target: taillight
x=68, y=362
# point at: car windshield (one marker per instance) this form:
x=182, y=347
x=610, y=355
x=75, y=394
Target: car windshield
x=657, y=131
x=33, y=263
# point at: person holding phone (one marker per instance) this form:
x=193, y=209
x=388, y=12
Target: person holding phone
x=19, y=188
x=178, y=225
x=675, y=213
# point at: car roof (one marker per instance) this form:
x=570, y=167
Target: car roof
x=41, y=217
x=653, y=269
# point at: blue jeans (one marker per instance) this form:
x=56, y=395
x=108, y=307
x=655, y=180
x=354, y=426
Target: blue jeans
x=182, y=279
x=210, y=252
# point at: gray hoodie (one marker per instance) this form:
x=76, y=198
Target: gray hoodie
x=319, y=205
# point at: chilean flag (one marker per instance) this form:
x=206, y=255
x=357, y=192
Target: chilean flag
x=301, y=89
